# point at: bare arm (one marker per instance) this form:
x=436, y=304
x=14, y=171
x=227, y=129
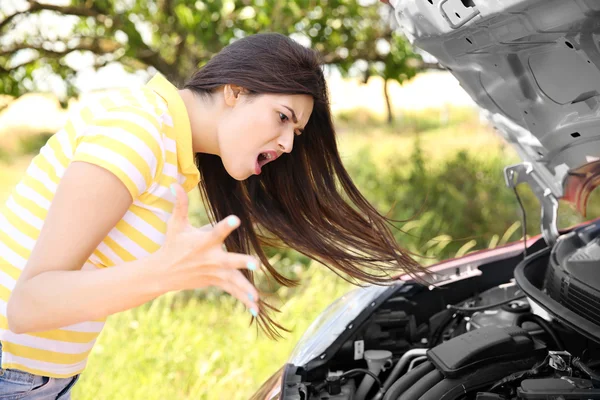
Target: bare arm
x=52, y=291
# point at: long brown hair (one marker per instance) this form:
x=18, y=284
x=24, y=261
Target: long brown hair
x=305, y=200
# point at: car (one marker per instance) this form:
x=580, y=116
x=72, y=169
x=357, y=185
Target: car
x=520, y=321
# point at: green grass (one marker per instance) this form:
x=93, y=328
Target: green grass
x=197, y=349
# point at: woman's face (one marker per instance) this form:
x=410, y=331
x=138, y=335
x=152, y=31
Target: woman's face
x=257, y=129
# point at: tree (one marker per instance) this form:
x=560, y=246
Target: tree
x=399, y=65
x=177, y=36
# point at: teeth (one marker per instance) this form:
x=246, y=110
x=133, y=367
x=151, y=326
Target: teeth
x=268, y=156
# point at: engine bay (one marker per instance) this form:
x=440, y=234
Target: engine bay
x=485, y=336
x=521, y=326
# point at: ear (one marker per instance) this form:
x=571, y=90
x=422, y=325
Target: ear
x=232, y=94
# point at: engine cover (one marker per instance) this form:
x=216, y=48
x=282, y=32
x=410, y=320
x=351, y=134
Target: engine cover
x=573, y=276
x=469, y=362
x=482, y=347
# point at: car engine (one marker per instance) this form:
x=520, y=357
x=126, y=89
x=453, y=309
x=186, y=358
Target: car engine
x=505, y=340
x=495, y=326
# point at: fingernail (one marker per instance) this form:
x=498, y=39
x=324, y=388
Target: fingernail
x=251, y=265
x=251, y=296
x=173, y=190
x=253, y=312
x=232, y=221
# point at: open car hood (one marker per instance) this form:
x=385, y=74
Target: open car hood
x=533, y=66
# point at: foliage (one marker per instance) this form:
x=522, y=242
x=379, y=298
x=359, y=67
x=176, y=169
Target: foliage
x=4, y=155
x=31, y=144
x=463, y=198
x=176, y=36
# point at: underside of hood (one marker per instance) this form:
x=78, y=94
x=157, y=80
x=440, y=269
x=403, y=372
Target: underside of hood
x=533, y=66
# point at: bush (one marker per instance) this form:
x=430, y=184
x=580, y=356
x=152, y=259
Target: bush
x=31, y=144
x=463, y=198
x=460, y=201
x=5, y=155
x=406, y=121
x=360, y=116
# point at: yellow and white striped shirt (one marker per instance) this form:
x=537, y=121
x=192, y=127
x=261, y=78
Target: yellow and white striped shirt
x=142, y=136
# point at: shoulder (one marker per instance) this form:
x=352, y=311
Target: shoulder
x=131, y=112
x=133, y=104
x=122, y=131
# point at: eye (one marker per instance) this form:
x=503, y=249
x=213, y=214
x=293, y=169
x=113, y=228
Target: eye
x=283, y=117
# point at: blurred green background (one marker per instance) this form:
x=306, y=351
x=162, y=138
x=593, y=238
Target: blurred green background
x=418, y=151
x=446, y=175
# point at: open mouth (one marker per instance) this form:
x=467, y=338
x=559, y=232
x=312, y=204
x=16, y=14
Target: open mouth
x=263, y=159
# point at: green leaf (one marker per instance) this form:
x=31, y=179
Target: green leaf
x=465, y=248
x=493, y=242
x=184, y=16
x=509, y=232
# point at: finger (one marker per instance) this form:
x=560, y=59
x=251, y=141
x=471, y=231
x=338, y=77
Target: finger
x=250, y=300
x=239, y=261
x=233, y=276
x=224, y=228
x=179, y=218
x=206, y=228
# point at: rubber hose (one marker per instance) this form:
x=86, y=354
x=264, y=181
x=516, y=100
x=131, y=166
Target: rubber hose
x=456, y=388
x=409, y=379
x=445, y=390
x=397, y=371
x=452, y=389
x=542, y=324
x=586, y=369
x=422, y=386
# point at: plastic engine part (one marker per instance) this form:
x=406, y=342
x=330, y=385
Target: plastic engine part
x=567, y=389
x=487, y=345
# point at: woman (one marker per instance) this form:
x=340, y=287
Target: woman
x=253, y=130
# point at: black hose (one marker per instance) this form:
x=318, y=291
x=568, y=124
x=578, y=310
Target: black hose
x=457, y=388
x=586, y=370
x=519, y=375
x=422, y=386
x=409, y=379
x=487, y=307
x=447, y=388
x=542, y=323
x=357, y=371
x=446, y=320
x=348, y=374
x=524, y=221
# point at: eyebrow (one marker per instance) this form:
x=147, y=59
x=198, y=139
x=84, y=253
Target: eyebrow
x=294, y=118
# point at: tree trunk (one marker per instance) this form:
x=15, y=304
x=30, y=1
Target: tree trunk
x=388, y=103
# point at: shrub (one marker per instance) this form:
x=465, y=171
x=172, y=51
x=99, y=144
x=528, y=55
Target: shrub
x=5, y=155
x=31, y=144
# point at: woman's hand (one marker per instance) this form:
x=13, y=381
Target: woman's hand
x=195, y=258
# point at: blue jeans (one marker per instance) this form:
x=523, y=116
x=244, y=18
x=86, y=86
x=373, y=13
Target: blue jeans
x=21, y=385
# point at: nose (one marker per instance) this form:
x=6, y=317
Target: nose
x=286, y=141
